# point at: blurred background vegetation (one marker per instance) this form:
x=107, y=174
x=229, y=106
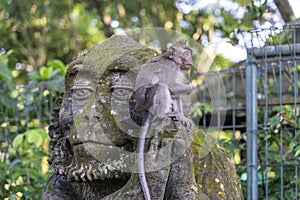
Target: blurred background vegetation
x=39, y=38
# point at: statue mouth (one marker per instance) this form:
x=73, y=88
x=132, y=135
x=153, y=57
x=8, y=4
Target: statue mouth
x=95, y=137
x=91, y=141
x=103, y=144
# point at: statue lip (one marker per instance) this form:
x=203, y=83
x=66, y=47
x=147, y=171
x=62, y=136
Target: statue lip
x=101, y=143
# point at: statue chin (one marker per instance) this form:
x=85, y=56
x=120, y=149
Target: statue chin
x=81, y=156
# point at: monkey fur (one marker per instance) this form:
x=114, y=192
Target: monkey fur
x=157, y=93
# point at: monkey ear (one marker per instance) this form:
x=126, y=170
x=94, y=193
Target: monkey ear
x=169, y=45
x=183, y=42
x=170, y=53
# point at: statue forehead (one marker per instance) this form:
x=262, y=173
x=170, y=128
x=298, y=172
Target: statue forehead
x=87, y=73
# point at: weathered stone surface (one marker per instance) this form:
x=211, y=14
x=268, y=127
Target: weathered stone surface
x=85, y=131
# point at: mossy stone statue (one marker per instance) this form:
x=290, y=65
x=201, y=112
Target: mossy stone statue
x=92, y=144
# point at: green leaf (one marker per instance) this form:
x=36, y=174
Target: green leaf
x=208, y=107
x=275, y=121
x=38, y=140
x=244, y=177
x=32, y=136
x=5, y=72
x=297, y=151
x=292, y=144
x=18, y=140
x=259, y=179
x=44, y=135
x=58, y=65
x=36, y=136
x=45, y=72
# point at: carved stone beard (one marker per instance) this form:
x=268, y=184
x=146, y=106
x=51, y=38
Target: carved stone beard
x=63, y=160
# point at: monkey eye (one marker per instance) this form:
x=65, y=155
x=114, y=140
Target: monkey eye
x=81, y=94
x=187, y=54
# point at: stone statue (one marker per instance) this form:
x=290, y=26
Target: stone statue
x=93, y=140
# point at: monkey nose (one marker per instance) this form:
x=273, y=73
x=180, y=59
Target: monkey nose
x=189, y=64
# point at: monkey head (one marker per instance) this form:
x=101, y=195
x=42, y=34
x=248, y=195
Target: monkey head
x=180, y=54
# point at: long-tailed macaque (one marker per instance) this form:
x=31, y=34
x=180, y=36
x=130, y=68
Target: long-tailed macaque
x=158, y=86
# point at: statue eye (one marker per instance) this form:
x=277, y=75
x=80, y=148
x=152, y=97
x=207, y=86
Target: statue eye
x=81, y=94
x=120, y=92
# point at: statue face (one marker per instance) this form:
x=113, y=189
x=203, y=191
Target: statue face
x=94, y=143
x=98, y=133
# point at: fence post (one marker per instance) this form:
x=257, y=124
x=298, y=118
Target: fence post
x=251, y=128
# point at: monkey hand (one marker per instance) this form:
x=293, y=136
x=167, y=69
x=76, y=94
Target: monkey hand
x=187, y=123
x=190, y=88
x=181, y=118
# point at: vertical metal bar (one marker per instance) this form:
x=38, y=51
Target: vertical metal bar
x=233, y=107
x=204, y=112
x=251, y=123
x=266, y=115
x=281, y=132
x=296, y=93
x=280, y=108
x=219, y=108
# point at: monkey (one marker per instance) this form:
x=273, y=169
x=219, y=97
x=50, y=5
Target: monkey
x=157, y=87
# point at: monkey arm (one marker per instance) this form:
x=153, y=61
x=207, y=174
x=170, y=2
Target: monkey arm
x=176, y=114
x=182, y=88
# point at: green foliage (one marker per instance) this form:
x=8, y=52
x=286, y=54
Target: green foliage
x=198, y=109
x=256, y=9
x=26, y=173
x=25, y=116
x=54, y=70
x=34, y=136
x=5, y=73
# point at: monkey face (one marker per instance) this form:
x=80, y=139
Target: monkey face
x=181, y=54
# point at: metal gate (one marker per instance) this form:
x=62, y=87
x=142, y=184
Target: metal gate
x=272, y=110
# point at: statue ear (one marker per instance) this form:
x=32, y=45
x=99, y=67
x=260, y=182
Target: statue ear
x=170, y=53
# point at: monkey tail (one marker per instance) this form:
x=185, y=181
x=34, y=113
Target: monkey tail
x=140, y=154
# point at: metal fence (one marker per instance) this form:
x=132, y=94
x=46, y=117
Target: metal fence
x=263, y=103
x=272, y=100
x=25, y=107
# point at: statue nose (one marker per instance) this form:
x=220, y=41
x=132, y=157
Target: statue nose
x=92, y=118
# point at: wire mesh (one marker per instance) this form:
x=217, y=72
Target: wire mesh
x=276, y=54
x=25, y=107
x=271, y=120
